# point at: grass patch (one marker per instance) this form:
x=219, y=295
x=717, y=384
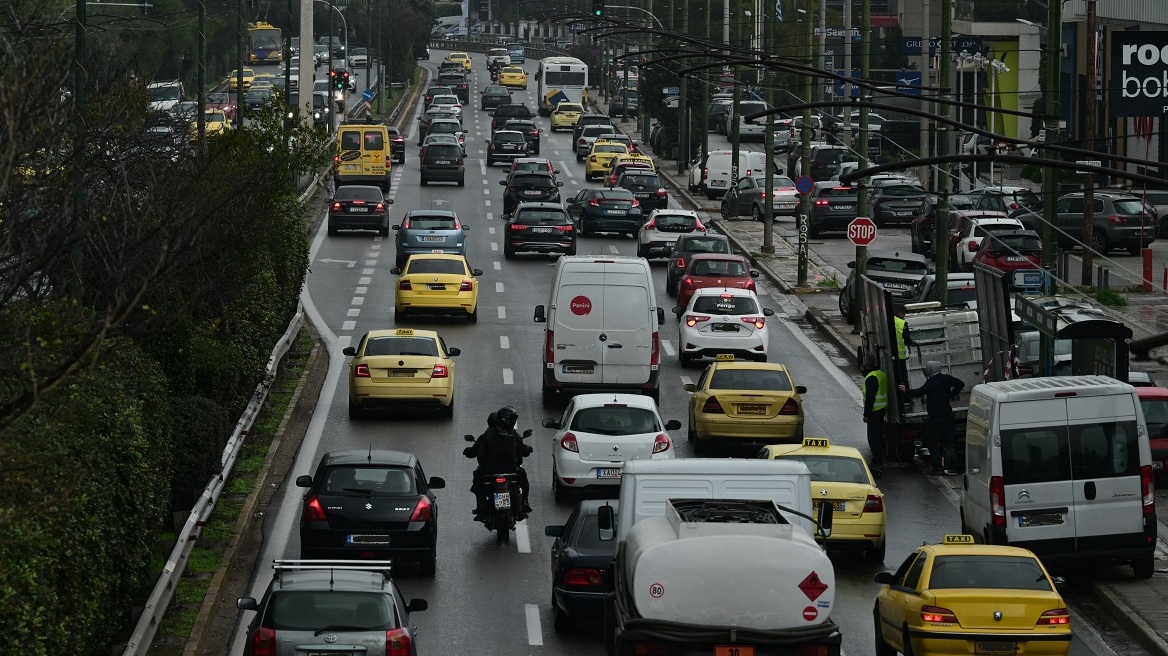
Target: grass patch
x=1110, y=298
x=241, y=485
x=1137, y=289
x=219, y=530
x=192, y=591
x=203, y=561
x=828, y=283
x=178, y=621
x=249, y=464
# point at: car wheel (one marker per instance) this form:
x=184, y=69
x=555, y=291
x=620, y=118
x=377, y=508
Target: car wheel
x=684, y=359
x=641, y=252
x=1134, y=249
x=756, y=214
x=571, y=251
x=845, y=305
x=882, y=648
x=563, y=621
x=875, y=555
x=908, y=649
x=508, y=253
x=711, y=195
x=424, y=181
x=354, y=410
x=691, y=435
x=812, y=230
x=400, y=260
x=429, y=565
x=332, y=230
x=670, y=288
x=383, y=230
x=1143, y=567
x=447, y=411
x=558, y=491
x=915, y=246
x=1099, y=243
x=399, y=314
x=462, y=181
x=473, y=317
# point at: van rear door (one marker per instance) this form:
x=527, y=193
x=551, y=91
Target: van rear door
x=1105, y=449
x=579, y=319
x=1036, y=475
x=627, y=339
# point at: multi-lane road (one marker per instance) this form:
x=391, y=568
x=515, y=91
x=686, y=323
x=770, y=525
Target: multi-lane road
x=495, y=599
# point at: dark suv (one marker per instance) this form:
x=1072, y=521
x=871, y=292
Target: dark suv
x=1120, y=221
x=898, y=203
x=457, y=82
x=508, y=111
x=687, y=246
x=539, y=228
x=530, y=133
x=646, y=188
x=442, y=162
x=529, y=187
x=832, y=208
x=899, y=273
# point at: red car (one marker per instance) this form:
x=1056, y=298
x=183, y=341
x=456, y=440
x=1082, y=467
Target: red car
x=714, y=270
x=222, y=102
x=1154, y=403
x=1010, y=251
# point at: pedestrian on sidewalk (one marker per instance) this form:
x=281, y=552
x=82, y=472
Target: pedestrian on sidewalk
x=939, y=390
x=875, y=404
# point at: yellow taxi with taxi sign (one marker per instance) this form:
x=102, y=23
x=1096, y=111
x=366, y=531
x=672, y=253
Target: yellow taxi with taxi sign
x=233, y=79
x=602, y=153
x=401, y=366
x=840, y=476
x=513, y=77
x=565, y=115
x=741, y=400
x=959, y=598
x=629, y=161
x=460, y=57
x=436, y=283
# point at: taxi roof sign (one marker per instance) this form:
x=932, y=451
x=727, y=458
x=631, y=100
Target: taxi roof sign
x=404, y=331
x=817, y=441
x=725, y=357
x=958, y=539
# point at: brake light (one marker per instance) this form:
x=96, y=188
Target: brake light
x=693, y=319
x=636, y=203
x=397, y=642
x=698, y=226
x=263, y=642
x=549, y=354
x=661, y=193
x=422, y=511
x=1147, y=490
x=516, y=226
x=565, y=228
x=655, y=358
x=688, y=283
x=680, y=263
x=998, y=500
x=466, y=286
x=585, y=577
x=1055, y=617
x=937, y=614
x=380, y=207
x=595, y=202
x=972, y=247
x=500, y=480
x=712, y=406
x=822, y=203
x=705, y=172
x=361, y=371
x=314, y=511
x=874, y=504
x=592, y=159
x=1116, y=219
x=789, y=408
x=758, y=322
x=1013, y=206
x=568, y=443
x=661, y=443
x=336, y=206
x=618, y=98
x=405, y=285
x=749, y=284
x=582, y=142
x=397, y=139
x=748, y=172
x=388, y=161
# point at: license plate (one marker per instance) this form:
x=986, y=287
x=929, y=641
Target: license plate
x=401, y=373
x=843, y=206
x=358, y=209
x=995, y=648
x=1157, y=464
x=441, y=161
x=836, y=505
x=904, y=213
x=751, y=409
x=1025, y=521
x=614, y=211
x=432, y=239
x=578, y=368
x=542, y=231
x=608, y=473
x=351, y=167
x=1016, y=258
x=437, y=288
x=717, y=183
x=786, y=206
x=531, y=193
x=502, y=500
x=724, y=328
x=641, y=195
x=734, y=650
x=894, y=285
x=368, y=539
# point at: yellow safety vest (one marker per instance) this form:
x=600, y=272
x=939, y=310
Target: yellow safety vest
x=901, y=349
x=881, y=400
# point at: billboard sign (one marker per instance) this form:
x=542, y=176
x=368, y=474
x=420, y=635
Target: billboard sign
x=1139, y=73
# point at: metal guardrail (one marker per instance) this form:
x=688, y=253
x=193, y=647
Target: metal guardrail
x=160, y=598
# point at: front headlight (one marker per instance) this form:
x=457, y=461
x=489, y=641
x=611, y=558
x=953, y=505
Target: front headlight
x=316, y=115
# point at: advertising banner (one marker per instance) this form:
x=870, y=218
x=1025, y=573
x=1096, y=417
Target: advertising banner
x=1139, y=73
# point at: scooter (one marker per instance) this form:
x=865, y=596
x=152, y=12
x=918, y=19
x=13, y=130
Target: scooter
x=503, y=503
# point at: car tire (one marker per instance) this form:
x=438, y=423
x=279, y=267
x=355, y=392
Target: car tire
x=473, y=317
x=383, y=229
x=559, y=492
x=691, y=435
x=462, y=181
x=845, y=306
x=711, y=195
x=332, y=230
x=685, y=360
x=1134, y=249
x=641, y=252
x=908, y=648
x=876, y=555
x=399, y=314
x=1099, y=243
x=400, y=260
x=812, y=230
x=424, y=181
x=355, y=411
x=547, y=396
x=447, y=411
x=1143, y=567
x=882, y=648
x=508, y=254
x=670, y=288
x=429, y=566
x=655, y=394
x=571, y=251
x=563, y=622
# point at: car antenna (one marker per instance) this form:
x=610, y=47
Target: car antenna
x=369, y=458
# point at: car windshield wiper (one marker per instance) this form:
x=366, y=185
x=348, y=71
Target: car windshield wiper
x=358, y=490
x=341, y=627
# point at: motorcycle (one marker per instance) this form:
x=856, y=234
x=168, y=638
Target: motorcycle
x=503, y=501
x=494, y=76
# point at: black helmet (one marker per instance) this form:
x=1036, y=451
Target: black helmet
x=506, y=417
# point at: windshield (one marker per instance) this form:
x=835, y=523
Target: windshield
x=609, y=148
x=513, y=137
x=642, y=180
x=720, y=268
x=536, y=217
x=1020, y=244
x=769, y=380
x=894, y=265
x=1156, y=416
x=158, y=94
x=616, y=421
x=532, y=182
x=832, y=469
x=903, y=190
x=569, y=107
x=432, y=223
x=705, y=245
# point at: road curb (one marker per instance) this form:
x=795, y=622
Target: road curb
x=1126, y=616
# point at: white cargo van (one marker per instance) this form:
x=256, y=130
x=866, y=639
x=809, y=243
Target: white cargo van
x=601, y=333
x=1061, y=466
x=716, y=175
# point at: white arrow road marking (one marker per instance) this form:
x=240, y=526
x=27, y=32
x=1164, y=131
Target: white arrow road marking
x=329, y=260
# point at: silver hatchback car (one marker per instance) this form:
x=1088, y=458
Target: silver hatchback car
x=429, y=231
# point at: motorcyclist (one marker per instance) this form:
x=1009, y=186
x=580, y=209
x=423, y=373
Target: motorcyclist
x=499, y=450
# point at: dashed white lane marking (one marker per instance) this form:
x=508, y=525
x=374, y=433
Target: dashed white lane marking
x=534, y=631
x=508, y=377
x=354, y=312
x=668, y=348
x=362, y=290
x=566, y=169
x=491, y=230
x=502, y=312
x=522, y=537
x=613, y=249
x=348, y=325
x=366, y=272
x=490, y=216
x=357, y=300
x=486, y=191
x=494, y=246
x=487, y=203
x=364, y=280
x=499, y=287
x=686, y=380
x=504, y=342
x=497, y=265
x=370, y=262
x=483, y=167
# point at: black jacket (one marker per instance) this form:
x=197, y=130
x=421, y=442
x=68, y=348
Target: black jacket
x=498, y=451
x=938, y=391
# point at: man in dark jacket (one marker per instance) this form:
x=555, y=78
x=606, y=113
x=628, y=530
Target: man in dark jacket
x=500, y=450
x=939, y=390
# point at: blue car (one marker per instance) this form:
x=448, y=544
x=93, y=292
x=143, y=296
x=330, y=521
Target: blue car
x=515, y=51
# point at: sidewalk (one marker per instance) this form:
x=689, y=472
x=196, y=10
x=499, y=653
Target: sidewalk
x=1139, y=606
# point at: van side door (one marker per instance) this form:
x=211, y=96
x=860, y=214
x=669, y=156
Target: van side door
x=1038, y=499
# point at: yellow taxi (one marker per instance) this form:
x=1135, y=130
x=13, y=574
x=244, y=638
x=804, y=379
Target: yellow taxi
x=961, y=598
x=596, y=165
x=840, y=476
x=402, y=366
x=624, y=162
x=513, y=77
x=460, y=57
x=215, y=122
x=233, y=79
x=565, y=115
x=744, y=400
x=436, y=283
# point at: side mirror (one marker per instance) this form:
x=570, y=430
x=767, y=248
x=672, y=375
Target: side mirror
x=502, y=183
x=689, y=387
x=885, y=578
x=349, y=351
x=476, y=272
x=506, y=217
x=605, y=523
x=395, y=271
x=550, y=423
x=465, y=228
x=539, y=317
x=877, y=474
x=824, y=519
x=416, y=606
x=660, y=316
x=389, y=200
x=559, y=184
x=486, y=141
x=453, y=352
x=246, y=603
x=436, y=483
x=556, y=171
x=553, y=531
x=852, y=264
x=397, y=227
x=753, y=273
x=767, y=312
x=800, y=389
x=673, y=424
x=469, y=438
x=303, y=481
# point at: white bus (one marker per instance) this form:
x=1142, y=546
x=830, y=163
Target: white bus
x=561, y=79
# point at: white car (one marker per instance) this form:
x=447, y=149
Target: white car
x=449, y=103
x=975, y=232
x=446, y=139
x=660, y=232
x=599, y=433
x=722, y=320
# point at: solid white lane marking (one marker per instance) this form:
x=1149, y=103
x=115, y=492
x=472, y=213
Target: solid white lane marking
x=364, y=280
x=522, y=537
x=502, y=312
x=357, y=300
x=354, y=312
x=348, y=325
x=367, y=272
x=370, y=262
x=508, y=377
x=499, y=287
x=504, y=342
x=361, y=290
x=686, y=380
x=534, y=632
x=494, y=246
x=491, y=230
x=668, y=348
x=498, y=266
x=613, y=249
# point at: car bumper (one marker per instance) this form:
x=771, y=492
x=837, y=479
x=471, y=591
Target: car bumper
x=654, y=202
x=417, y=541
x=443, y=173
x=896, y=215
x=373, y=395
x=464, y=302
x=436, y=248
x=862, y=533
x=579, y=604
x=356, y=221
x=606, y=223
x=833, y=222
x=693, y=343
x=506, y=156
x=1160, y=460
x=541, y=246
x=549, y=381
x=660, y=247
x=357, y=178
x=1126, y=238
x=586, y=473
x=777, y=430
x=963, y=643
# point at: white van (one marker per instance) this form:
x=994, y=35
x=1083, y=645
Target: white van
x=1061, y=466
x=748, y=130
x=601, y=333
x=714, y=175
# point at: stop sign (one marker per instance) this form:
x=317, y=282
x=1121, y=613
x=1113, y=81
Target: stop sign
x=861, y=231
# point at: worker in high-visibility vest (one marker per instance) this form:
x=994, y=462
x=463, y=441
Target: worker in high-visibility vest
x=875, y=405
x=903, y=341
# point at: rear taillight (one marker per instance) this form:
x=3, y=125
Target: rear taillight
x=595, y=202
x=661, y=443
x=397, y=642
x=440, y=371
x=680, y=263
x=937, y=614
x=705, y=173
x=263, y=642
x=693, y=319
x=549, y=353
x=388, y=161
x=650, y=225
x=998, y=501
x=314, y=511
x=336, y=206
x=404, y=285
x=1013, y=206
x=757, y=322
x=583, y=577
x=592, y=159
x=749, y=284
x=874, y=504
x=1116, y=219
x=655, y=357
x=336, y=160
x=789, y=408
x=972, y=246
x=1148, y=490
x=568, y=443
x=1055, y=617
x=361, y=371
x=712, y=406
x=466, y=286
x=822, y=203
x=516, y=226
x=380, y=207
x=422, y=511
x=565, y=228
x=661, y=193
x=635, y=203
x=687, y=283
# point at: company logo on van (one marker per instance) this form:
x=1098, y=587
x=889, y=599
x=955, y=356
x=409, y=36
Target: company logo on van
x=581, y=305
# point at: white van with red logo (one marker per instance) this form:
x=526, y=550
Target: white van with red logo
x=602, y=328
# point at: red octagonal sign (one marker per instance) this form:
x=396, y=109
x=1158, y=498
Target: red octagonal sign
x=581, y=305
x=861, y=231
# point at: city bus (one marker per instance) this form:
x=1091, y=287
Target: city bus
x=264, y=44
x=561, y=79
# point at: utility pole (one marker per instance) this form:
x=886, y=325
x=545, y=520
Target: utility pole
x=805, y=147
x=926, y=64
x=201, y=52
x=736, y=112
x=847, y=86
x=368, y=40
x=682, y=104
x=240, y=35
x=332, y=92
x=306, y=74
x=861, y=186
x=705, y=106
x=1054, y=19
x=1092, y=127
x=80, y=207
x=768, y=212
x=381, y=59
x=823, y=45
x=941, y=240
x=289, y=110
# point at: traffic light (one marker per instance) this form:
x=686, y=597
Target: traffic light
x=598, y=8
x=344, y=80
x=338, y=80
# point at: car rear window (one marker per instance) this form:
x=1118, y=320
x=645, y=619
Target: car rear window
x=436, y=266
x=751, y=379
x=309, y=610
x=638, y=179
x=832, y=469
x=1130, y=206
x=958, y=202
x=1027, y=198
x=610, y=148
x=674, y=222
x=997, y=572
x=372, y=480
x=993, y=228
x=374, y=140
x=434, y=91
x=449, y=127
x=894, y=265
x=496, y=91
x=432, y=223
x=736, y=305
x=1155, y=414
x=616, y=421
x=961, y=295
x=513, y=110
x=616, y=194
x=705, y=245
x=509, y=137
x=532, y=181
x=1021, y=244
x=358, y=192
x=391, y=345
x=827, y=155
x=728, y=268
x=538, y=217
x=836, y=192
x=593, y=131
x=901, y=191
x=443, y=150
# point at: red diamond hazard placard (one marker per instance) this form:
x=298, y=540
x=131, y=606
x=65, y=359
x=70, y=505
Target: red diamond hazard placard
x=812, y=586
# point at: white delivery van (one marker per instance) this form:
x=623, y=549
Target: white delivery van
x=717, y=177
x=748, y=130
x=1061, y=466
x=601, y=328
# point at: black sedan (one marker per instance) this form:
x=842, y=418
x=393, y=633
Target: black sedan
x=397, y=145
x=359, y=207
x=606, y=210
x=538, y=228
x=529, y=187
x=370, y=504
x=506, y=145
x=530, y=132
x=493, y=96
x=646, y=188
x=581, y=566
